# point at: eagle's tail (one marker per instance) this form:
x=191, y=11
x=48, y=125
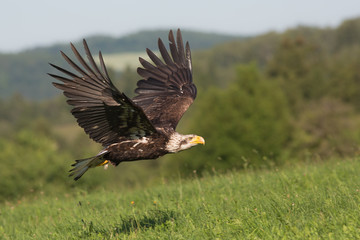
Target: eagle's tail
x=82, y=165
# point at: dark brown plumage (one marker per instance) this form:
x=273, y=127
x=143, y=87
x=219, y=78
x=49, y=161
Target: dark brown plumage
x=131, y=129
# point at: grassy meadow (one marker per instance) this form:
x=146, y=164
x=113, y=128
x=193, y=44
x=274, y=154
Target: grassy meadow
x=280, y=113
x=120, y=61
x=304, y=201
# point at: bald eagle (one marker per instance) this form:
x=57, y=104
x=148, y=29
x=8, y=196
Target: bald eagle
x=131, y=129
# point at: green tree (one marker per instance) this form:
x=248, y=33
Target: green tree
x=300, y=66
x=348, y=33
x=248, y=123
x=326, y=128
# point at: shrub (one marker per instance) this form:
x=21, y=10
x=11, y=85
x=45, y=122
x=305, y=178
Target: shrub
x=246, y=124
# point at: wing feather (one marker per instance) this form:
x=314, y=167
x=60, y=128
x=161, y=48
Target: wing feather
x=81, y=60
x=165, y=55
x=166, y=90
x=180, y=50
x=154, y=58
x=98, y=73
x=103, y=67
x=106, y=114
x=173, y=48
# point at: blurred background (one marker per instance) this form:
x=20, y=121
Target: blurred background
x=278, y=83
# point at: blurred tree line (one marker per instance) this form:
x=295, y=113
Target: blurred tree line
x=23, y=72
x=262, y=102
x=282, y=97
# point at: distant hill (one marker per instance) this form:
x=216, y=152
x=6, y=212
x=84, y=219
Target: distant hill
x=214, y=55
x=25, y=72
x=137, y=42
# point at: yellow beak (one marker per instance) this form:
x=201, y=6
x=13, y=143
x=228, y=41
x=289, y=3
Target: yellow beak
x=197, y=140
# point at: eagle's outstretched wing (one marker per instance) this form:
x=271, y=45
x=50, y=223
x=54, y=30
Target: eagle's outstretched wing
x=105, y=113
x=167, y=89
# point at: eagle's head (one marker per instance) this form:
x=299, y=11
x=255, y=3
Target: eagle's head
x=178, y=142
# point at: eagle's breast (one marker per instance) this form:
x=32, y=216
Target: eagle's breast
x=130, y=150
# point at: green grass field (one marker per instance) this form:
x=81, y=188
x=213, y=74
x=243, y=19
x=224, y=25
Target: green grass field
x=305, y=201
x=120, y=61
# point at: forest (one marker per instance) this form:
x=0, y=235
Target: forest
x=263, y=102
x=15, y=68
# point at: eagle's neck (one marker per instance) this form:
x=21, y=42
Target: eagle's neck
x=177, y=142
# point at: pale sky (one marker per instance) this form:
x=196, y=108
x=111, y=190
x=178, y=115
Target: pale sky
x=30, y=23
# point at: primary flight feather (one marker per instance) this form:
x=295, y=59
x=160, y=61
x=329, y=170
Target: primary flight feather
x=131, y=129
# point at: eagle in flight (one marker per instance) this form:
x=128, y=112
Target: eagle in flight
x=131, y=129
